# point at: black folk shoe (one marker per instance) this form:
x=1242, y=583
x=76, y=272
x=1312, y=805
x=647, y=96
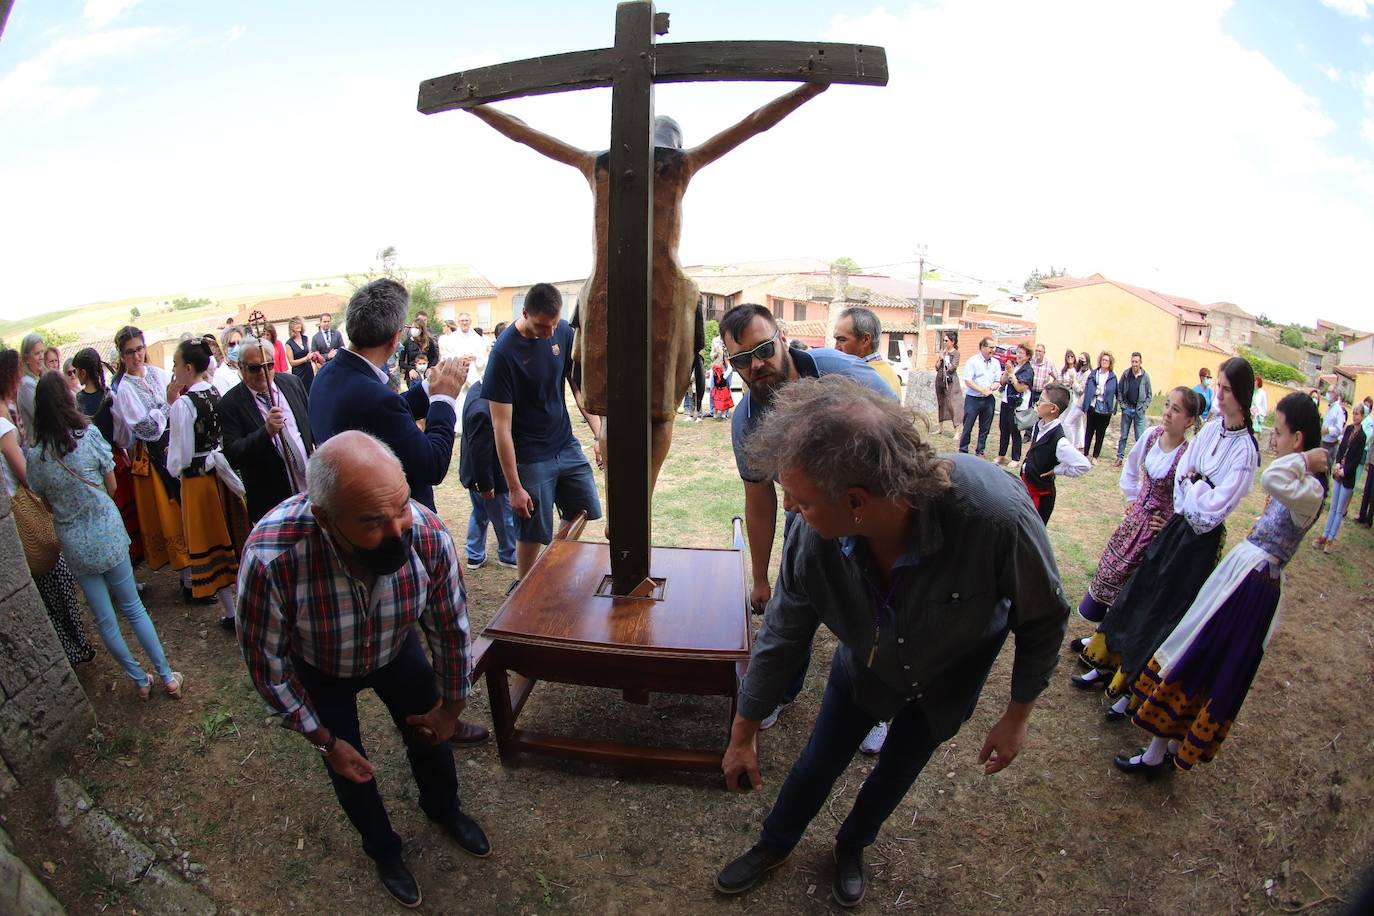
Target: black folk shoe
x=849, y=887
x=745, y=872
x=1134, y=762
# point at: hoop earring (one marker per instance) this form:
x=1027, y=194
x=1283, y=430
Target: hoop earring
x=858, y=521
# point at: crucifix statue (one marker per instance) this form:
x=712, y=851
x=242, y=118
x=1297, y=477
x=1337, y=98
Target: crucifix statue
x=637, y=295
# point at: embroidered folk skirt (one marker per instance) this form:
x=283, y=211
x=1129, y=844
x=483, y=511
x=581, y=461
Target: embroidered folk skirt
x=1154, y=599
x=1124, y=551
x=214, y=552
x=159, y=515
x=1196, y=697
x=125, y=503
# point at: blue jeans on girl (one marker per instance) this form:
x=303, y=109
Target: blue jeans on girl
x=118, y=582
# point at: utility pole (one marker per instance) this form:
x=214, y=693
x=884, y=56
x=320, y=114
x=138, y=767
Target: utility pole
x=920, y=381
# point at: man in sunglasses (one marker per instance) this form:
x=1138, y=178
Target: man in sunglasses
x=266, y=424
x=757, y=349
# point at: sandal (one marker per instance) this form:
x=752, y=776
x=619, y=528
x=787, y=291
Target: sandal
x=173, y=685
x=145, y=690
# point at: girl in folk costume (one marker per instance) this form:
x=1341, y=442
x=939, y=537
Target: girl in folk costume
x=214, y=525
x=1212, y=478
x=1194, y=686
x=141, y=408
x=1147, y=480
x=722, y=399
x=96, y=401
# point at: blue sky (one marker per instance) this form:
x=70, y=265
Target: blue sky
x=1209, y=149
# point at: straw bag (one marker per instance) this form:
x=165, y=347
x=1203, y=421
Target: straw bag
x=35, y=531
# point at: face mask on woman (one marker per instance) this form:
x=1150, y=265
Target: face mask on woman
x=414, y=332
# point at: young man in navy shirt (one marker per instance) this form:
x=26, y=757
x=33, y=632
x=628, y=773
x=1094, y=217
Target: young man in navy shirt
x=543, y=463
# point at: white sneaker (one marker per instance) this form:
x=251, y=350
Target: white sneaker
x=873, y=742
x=504, y=565
x=772, y=718
x=472, y=564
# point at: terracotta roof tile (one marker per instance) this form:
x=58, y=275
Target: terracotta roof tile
x=285, y=309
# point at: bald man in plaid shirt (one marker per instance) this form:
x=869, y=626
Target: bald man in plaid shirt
x=331, y=585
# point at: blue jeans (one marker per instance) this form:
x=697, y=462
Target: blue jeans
x=1340, y=498
x=496, y=510
x=980, y=409
x=1132, y=419
x=118, y=581
x=840, y=727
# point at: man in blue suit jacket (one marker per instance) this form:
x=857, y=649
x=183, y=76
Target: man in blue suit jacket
x=351, y=391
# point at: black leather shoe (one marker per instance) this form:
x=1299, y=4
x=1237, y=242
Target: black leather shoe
x=227, y=623
x=468, y=835
x=1113, y=716
x=467, y=733
x=848, y=889
x=1151, y=772
x=1076, y=646
x=745, y=872
x=399, y=883
x=1085, y=683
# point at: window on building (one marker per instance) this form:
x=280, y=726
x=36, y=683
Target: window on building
x=484, y=314
x=894, y=348
x=934, y=311
x=799, y=311
x=517, y=303
x=956, y=308
x=729, y=302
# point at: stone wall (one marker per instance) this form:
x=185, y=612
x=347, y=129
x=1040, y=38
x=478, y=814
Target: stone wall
x=42, y=706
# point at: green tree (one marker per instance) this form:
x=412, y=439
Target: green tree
x=52, y=338
x=384, y=265
x=1291, y=336
x=182, y=304
x=1271, y=369
x=848, y=263
x=1332, y=342
x=422, y=299
x=1036, y=280
x=133, y=313
x=1265, y=321
x=712, y=332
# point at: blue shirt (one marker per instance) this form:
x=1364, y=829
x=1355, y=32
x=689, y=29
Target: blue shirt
x=811, y=363
x=528, y=375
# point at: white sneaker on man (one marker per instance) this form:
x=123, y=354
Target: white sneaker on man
x=772, y=718
x=873, y=741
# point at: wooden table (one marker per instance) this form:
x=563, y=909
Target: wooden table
x=694, y=639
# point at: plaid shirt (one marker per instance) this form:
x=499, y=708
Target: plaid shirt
x=298, y=600
x=1045, y=373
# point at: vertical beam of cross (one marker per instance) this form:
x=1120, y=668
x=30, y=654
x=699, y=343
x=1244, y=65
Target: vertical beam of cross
x=628, y=293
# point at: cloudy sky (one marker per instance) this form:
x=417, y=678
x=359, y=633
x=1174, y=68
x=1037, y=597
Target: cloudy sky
x=1212, y=149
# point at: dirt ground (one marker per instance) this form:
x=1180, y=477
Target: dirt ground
x=1282, y=819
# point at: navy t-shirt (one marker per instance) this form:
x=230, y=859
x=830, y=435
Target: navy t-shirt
x=528, y=375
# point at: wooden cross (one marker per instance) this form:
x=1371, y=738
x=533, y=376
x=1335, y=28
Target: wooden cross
x=631, y=68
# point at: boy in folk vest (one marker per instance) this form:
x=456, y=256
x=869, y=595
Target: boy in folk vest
x=1050, y=454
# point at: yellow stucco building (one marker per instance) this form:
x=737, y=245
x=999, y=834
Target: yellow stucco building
x=1095, y=313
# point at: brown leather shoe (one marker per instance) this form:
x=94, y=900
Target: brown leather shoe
x=467, y=733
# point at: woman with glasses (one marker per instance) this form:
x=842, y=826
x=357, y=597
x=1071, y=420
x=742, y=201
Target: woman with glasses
x=141, y=406
x=1099, y=403
x=56, y=587
x=96, y=401
x=212, y=517
x=69, y=373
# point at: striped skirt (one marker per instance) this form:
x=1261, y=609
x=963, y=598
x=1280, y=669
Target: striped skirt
x=214, y=536
x=159, y=515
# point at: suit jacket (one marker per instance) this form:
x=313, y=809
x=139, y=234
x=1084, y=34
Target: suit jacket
x=347, y=394
x=479, y=468
x=251, y=451
x=323, y=342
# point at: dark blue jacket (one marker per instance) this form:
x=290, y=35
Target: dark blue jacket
x=1089, y=393
x=479, y=467
x=347, y=394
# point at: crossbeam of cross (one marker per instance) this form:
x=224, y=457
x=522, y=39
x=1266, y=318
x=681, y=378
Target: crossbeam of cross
x=631, y=68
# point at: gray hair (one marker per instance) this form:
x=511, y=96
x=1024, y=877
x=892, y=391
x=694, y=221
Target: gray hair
x=377, y=312
x=224, y=335
x=30, y=339
x=841, y=434
x=865, y=323
x=322, y=468
x=250, y=342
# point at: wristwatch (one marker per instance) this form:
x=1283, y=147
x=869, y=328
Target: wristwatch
x=328, y=746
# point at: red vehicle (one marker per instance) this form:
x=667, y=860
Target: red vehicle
x=1004, y=353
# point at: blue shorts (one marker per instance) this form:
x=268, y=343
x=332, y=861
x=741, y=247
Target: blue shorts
x=564, y=480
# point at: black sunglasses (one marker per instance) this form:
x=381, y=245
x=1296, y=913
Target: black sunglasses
x=255, y=368
x=763, y=351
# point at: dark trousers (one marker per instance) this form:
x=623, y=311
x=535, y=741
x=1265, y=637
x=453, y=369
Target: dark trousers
x=1097, y=427
x=840, y=727
x=1367, y=502
x=1011, y=436
x=406, y=686
x=980, y=409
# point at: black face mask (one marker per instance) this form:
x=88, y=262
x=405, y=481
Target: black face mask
x=387, y=557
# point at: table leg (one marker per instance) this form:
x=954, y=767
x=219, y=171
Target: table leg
x=502, y=715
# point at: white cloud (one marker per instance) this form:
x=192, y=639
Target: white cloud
x=1356, y=8
x=234, y=34
x=100, y=13
x=1367, y=128
x=37, y=82
x=1367, y=40
x=1331, y=73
